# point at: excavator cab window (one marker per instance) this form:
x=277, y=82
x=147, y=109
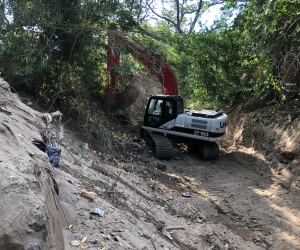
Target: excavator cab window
x=169, y=108
x=154, y=113
x=160, y=111
x=155, y=107
x=179, y=106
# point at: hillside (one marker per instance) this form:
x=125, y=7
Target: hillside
x=246, y=199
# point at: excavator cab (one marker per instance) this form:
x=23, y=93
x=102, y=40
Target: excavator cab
x=161, y=109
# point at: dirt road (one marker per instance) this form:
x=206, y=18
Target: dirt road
x=236, y=202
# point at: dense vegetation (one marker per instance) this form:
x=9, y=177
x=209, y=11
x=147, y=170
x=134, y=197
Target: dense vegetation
x=58, y=48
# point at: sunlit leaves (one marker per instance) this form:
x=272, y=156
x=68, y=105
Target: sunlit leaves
x=271, y=33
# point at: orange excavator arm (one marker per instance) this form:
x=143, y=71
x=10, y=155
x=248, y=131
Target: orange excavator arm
x=153, y=61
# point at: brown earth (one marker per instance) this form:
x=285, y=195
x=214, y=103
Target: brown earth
x=246, y=199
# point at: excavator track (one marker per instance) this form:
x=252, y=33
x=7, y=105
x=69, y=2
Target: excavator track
x=209, y=150
x=161, y=144
x=206, y=150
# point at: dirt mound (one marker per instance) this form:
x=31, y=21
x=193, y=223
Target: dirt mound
x=143, y=85
x=127, y=97
x=272, y=131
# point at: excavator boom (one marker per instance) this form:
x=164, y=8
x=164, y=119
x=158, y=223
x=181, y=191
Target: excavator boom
x=153, y=61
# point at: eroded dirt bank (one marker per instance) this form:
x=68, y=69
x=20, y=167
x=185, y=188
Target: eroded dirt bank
x=246, y=199
x=29, y=208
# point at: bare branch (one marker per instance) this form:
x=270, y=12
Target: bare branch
x=188, y=12
x=199, y=7
x=178, y=11
x=215, y=3
x=180, y=6
x=160, y=16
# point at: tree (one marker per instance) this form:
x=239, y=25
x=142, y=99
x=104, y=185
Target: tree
x=270, y=30
x=58, y=45
x=187, y=13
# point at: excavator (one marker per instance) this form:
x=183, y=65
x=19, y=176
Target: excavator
x=166, y=122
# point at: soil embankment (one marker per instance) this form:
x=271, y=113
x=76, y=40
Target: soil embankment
x=246, y=199
x=29, y=210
